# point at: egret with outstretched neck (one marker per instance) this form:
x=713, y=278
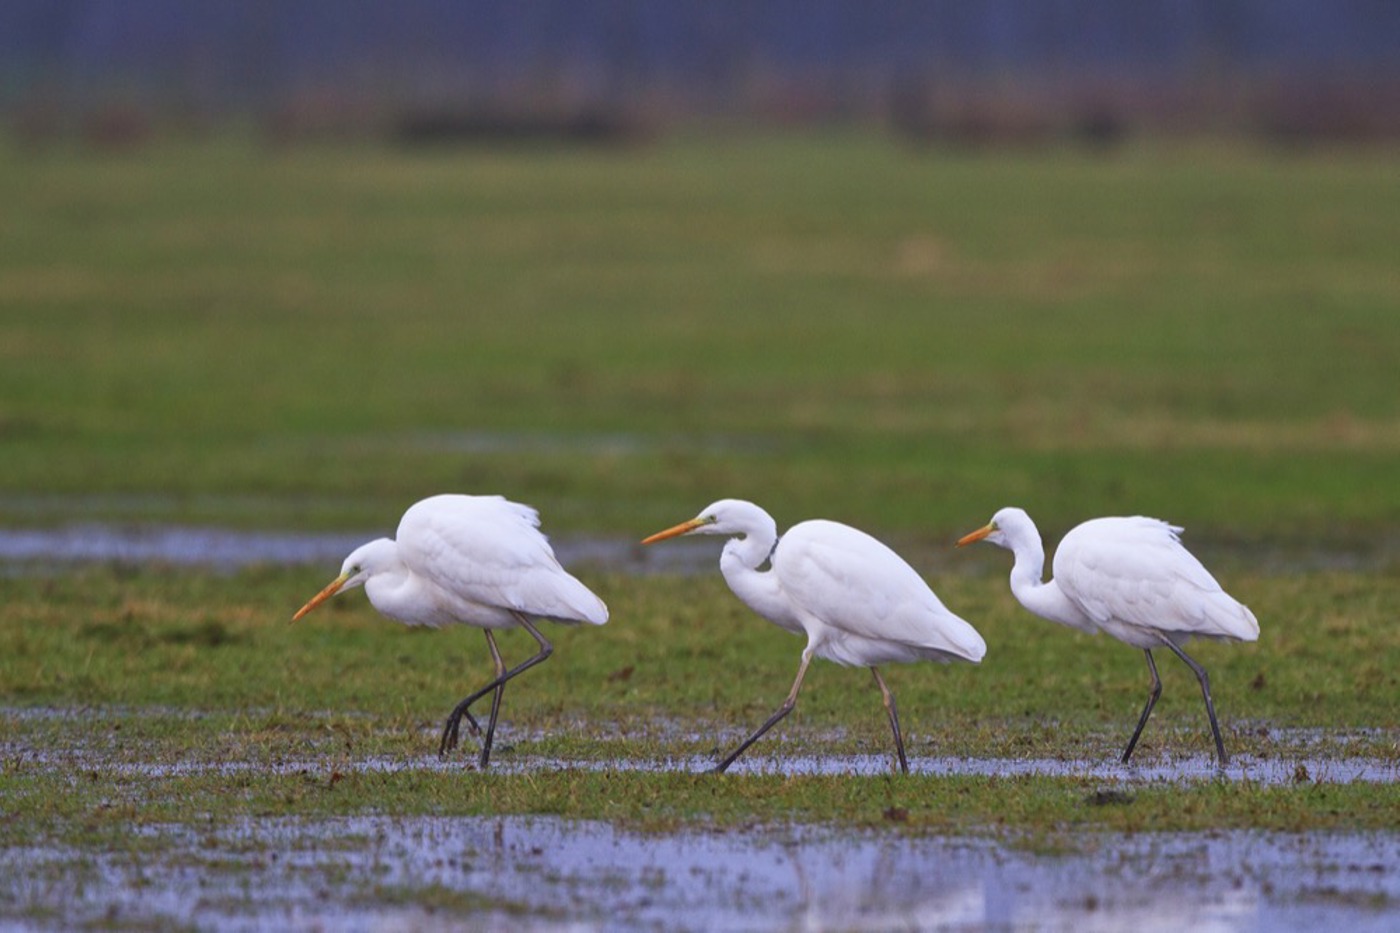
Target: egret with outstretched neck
x=1131, y=578
x=469, y=560
x=856, y=601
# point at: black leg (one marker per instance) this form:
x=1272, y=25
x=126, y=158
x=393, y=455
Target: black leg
x=450, y=728
x=1201, y=676
x=1152, y=696
x=894, y=719
x=449, y=731
x=783, y=710
x=500, y=668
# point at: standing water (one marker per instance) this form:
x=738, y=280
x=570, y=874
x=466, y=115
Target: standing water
x=549, y=873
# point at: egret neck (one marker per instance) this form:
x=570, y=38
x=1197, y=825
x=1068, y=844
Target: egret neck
x=1030, y=589
x=740, y=562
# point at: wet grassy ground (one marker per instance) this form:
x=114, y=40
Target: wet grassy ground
x=172, y=752
x=314, y=338
x=186, y=685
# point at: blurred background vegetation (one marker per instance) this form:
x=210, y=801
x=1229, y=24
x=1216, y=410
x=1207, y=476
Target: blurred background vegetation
x=296, y=265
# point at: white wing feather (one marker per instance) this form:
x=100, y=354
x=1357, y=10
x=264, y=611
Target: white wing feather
x=487, y=552
x=1134, y=572
x=878, y=607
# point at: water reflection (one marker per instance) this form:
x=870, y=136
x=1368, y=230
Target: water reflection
x=546, y=873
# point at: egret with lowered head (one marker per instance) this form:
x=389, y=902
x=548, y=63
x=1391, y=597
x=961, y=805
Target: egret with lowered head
x=856, y=600
x=469, y=560
x=1131, y=578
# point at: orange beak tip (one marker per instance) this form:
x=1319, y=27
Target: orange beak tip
x=975, y=536
x=673, y=532
x=321, y=597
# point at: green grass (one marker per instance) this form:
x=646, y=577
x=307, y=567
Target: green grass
x=101, y=811
x=680, y=647
x=836, y=326
x=906, y=340
x=157, y=668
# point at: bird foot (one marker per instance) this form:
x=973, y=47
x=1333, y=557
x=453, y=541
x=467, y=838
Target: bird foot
x=452, y=726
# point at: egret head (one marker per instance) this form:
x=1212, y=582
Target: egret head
x=1007, y=526
x=364, y=562
x=725, y=517
x=368, y=559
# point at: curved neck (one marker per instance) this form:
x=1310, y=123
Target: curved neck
x=753, y=549
x=740, y=562
x=393, y=591
x=1042, y=598
x=1028, y=569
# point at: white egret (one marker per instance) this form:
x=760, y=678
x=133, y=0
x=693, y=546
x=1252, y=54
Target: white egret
x=1131, y=578
x=472, y=560
x=856, y=600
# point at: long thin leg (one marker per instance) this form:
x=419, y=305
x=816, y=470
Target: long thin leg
x=1201, y=675
x=500, y=668
x=454, y=721
x=783, y=710
x=894, y=719
x=451, y=726
x=1152, y=696
x=449, y=731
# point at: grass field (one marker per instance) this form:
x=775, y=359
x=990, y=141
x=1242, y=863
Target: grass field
x=314, y=338
x=906, y=340
x=161, y=696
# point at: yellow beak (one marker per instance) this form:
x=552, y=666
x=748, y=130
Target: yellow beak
x=977, y=535
x=675, y=532
x=327, y=593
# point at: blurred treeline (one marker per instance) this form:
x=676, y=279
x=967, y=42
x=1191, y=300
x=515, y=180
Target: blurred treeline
x=959, y=71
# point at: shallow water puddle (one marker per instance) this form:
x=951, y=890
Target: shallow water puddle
x=1256, y=771
x=227, y=548
x=539, y=872
x=207, y=546
x=1283, y=770
x=1304, y=756
x=172, y=544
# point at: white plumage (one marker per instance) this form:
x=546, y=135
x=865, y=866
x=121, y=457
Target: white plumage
x=470, y=560
x=857, y=601
x=1129, y=577
x=860, y=604
x=1133, y=578
x=475, y=560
